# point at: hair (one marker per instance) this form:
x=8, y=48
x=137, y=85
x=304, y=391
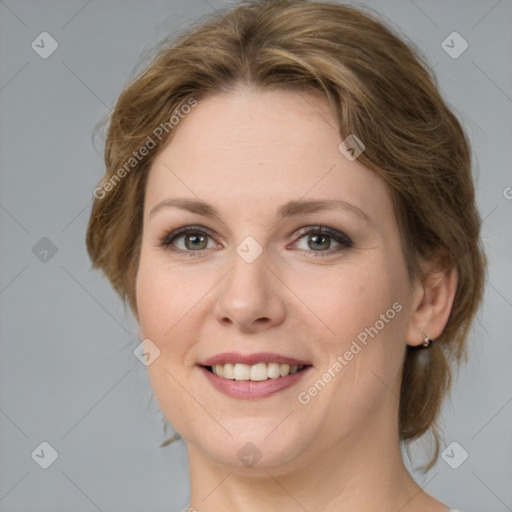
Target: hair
x=379, y=88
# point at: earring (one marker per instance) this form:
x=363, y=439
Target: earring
x=427, y=341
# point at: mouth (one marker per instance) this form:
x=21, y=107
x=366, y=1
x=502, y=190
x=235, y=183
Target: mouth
x=251, y=376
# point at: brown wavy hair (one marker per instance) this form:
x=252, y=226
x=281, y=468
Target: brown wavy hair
x=378, y=86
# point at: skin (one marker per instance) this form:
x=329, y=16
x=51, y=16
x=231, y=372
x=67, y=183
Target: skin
x=246, y=153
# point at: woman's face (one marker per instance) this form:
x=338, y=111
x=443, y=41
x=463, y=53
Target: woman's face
x=255, y=287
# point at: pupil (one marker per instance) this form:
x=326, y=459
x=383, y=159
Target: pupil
x=324, y=245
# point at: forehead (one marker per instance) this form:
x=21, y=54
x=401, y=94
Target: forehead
x=255, y=147
x=246, y=124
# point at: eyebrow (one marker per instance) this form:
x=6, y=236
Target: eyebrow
x=289, y=209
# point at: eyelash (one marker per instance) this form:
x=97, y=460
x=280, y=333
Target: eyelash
x=344, y=241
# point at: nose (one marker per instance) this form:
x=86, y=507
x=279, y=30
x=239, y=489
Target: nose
x=250, y=297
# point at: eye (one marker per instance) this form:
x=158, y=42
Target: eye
x=188, y=239
x=320, y=240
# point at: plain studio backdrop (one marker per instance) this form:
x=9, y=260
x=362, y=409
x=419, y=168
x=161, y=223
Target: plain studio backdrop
x=79, y=430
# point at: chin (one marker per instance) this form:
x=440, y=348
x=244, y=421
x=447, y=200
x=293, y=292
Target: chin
x=254, y=444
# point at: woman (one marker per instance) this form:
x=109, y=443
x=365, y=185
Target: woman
x=288, y=209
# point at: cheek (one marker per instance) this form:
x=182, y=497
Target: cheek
x=161, y=301
x=173, y=303
x=361, y=364
x=153, y=302
x=367, y=312
x=162, y=294
x=162, y=305
x=354, y=299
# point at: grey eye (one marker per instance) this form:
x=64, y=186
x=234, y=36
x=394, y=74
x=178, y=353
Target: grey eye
x=316, y=242
x=193, y=241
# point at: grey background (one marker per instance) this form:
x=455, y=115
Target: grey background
x=68, y=375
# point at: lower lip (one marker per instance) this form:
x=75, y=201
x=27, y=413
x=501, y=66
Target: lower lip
x=248, y=389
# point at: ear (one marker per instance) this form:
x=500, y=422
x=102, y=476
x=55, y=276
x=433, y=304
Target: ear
x=432, y=305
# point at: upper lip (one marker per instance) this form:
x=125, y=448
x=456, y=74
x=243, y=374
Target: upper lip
x=250, y=359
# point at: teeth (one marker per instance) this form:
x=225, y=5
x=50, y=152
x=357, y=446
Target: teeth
x=259, y=372
x=242, y=371
x=255, y=372
x=273, y=370
x=228, y=372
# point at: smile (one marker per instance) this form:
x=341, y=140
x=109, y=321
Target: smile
x=256, y=372
x=253, y=376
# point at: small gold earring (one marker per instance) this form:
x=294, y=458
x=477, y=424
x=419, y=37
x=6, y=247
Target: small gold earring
x=427, y=341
